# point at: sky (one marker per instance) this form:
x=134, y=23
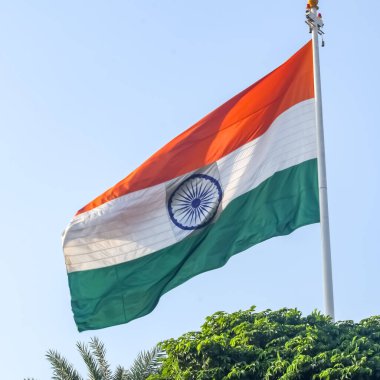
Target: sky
x=90, y=89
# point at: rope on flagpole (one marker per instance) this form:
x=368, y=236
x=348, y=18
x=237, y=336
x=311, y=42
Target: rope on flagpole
x=315, y=22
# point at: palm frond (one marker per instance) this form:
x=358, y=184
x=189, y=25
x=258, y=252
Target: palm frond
x=120, y=374
x=99, y=352
x=91, y=363
x=146, y=363
x=62, y=369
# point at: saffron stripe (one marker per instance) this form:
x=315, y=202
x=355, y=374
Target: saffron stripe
x=240, y=120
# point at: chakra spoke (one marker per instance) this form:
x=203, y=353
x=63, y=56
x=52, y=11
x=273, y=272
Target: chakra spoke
x=207, y=197
x=194, y=191
x=182, y=207
x=199, y=213
x=185, y=197
x=206, y=189
x=194, y=215
x=198, y=190
x=191, y=190
x=203, y=211
x=202, y=190
x=206, y=209
x=208, y=203
x=184, y=212
x=188, y=214
x=187, y=193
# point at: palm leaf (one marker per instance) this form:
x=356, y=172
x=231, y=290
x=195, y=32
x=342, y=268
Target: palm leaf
x=146, y=363
x=62, y=369
x=90, y=360
x=99, y=352
x=120, y=374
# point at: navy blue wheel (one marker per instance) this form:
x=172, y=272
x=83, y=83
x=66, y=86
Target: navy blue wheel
x=194, y=203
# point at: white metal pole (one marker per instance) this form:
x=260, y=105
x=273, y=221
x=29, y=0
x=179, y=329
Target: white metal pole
x=324, y=212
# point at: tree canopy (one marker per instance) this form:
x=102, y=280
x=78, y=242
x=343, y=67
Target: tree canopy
x=270, y=345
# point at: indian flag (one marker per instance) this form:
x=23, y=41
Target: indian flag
x=244, y=173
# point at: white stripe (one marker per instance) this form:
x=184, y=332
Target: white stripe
x=138, y=223
x=289, y=141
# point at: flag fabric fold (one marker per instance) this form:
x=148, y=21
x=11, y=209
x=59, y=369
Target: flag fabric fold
x=243, y=174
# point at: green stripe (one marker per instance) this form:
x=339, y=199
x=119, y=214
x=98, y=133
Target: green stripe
x=120, y=293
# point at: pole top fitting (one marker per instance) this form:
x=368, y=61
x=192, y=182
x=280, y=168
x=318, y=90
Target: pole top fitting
x=313, y=3
x=314, y=19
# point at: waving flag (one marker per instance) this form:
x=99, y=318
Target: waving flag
x=243, y=174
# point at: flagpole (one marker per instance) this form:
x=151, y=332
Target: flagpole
x=314, y=20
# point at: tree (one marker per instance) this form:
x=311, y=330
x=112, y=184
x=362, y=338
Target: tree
x=94, y=356
x=274, y=345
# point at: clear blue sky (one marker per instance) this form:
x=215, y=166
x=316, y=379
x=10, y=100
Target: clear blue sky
x=90, y=89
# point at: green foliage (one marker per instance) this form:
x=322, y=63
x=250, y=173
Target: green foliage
x=274, y=345
x=146, y=363
x=62, y=369
x=98, y=368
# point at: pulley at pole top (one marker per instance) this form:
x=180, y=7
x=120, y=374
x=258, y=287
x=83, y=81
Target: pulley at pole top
x=313, y=3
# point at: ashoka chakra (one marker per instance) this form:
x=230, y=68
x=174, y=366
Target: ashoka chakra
x=194, y=203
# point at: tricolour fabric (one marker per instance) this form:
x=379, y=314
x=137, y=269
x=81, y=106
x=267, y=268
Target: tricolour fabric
x=243, y=174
